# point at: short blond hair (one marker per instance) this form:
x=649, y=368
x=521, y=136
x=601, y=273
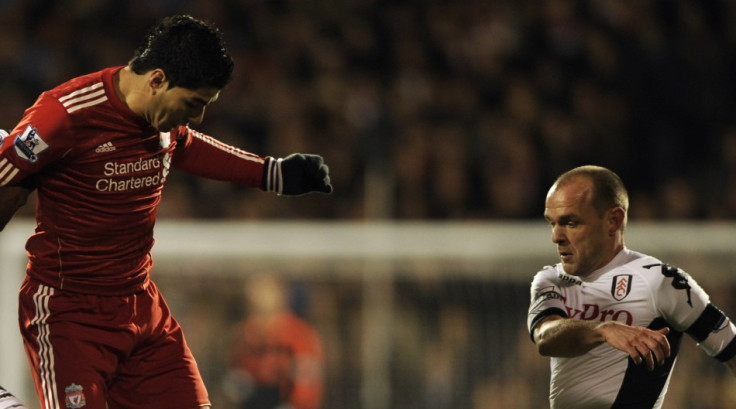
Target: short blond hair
x=608, y=188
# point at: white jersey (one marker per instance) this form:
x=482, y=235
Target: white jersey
x=8, y=401
x=637, y=290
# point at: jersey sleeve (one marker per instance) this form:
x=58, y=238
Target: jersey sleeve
x=546, y=299
x=205, y=156
x=686, y=306
x=37, y=140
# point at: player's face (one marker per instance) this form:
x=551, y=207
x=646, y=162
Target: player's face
x=180, y=106
x=580, y=233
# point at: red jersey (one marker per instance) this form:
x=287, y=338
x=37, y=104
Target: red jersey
x=100, y=169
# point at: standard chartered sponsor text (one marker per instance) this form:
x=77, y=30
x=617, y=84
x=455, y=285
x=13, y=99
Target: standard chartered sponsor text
x=111, y=169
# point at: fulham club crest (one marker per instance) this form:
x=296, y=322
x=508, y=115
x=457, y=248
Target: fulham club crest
x=621, y=286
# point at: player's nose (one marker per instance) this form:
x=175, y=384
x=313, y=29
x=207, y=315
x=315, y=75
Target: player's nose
x=558, y=234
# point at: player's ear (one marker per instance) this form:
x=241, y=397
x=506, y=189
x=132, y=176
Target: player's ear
x=616, y=218
x=157, y=80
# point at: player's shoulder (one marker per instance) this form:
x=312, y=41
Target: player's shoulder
x=547, y=271
x=83, y=91
x=649, y=268
x=636, y=260
x=554, y=274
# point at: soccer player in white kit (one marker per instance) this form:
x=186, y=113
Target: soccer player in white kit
x=610, y=318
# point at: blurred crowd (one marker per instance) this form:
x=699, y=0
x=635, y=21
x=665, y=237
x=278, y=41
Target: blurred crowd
x=432, y=109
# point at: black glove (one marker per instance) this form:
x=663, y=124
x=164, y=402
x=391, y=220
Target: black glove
x=296, y=174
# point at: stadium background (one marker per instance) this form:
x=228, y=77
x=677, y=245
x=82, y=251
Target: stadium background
x=441, y=114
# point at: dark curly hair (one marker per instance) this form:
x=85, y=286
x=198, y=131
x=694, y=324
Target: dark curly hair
x=191, y=52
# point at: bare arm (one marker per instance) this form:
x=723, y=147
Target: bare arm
x=564, y=337
x=557, y=336
x=11, y=199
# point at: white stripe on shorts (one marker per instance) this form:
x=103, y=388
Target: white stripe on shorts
x=45, y=350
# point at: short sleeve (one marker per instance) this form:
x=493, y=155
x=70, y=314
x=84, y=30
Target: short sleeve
x=678, y=296
x=546, y=299
x=36, y=141
x=686, y=307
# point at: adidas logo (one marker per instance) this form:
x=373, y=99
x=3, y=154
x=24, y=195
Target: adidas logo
x=105, y=147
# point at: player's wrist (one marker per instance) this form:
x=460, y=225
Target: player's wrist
x=296, y=174
x=272, y=180
x=604, y=330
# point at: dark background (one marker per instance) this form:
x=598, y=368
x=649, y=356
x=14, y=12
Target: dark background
x=431, y=109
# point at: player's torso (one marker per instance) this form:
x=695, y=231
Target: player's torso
x=108, y=168
x=623, y=294
x=109, y=176
x=618, y=295
x=101, y=170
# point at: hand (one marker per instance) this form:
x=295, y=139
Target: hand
x=296, y=174
x=642, y=344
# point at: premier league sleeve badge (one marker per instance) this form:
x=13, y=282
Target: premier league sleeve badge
x=29, y=144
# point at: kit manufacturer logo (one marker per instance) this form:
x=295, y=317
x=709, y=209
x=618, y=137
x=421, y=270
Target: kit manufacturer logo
x=105, y=147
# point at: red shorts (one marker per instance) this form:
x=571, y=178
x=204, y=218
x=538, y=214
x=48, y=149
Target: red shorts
x=97, y=352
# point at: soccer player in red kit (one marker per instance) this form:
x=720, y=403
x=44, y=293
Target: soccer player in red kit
x=98, y=149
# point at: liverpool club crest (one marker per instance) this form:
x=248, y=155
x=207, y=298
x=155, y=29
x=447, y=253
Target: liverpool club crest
x=74, y=396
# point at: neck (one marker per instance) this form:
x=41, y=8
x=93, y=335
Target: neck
x=128, y=86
